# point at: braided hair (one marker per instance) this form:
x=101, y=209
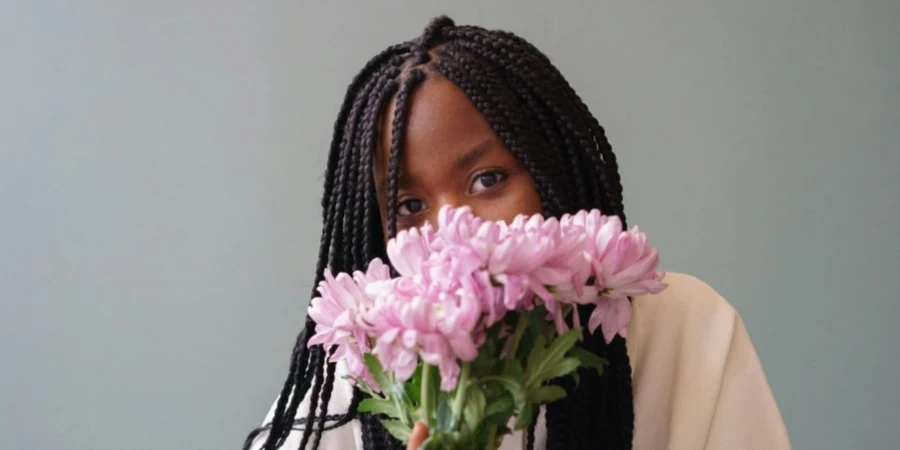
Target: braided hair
x=547, y=126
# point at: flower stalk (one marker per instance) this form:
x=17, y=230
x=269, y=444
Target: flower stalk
x=521, y=324
x=427, y=395
x=462, y=387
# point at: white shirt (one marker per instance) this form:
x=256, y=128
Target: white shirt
x=696, y=378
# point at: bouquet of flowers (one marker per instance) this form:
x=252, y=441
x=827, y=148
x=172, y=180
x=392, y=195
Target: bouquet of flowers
x=481, y=319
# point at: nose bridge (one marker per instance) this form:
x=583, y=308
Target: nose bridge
x=449, y=199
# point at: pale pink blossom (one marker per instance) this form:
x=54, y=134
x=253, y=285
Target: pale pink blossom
x=397, y=350
x=613, y=313
x=525, y=261
x=524, y=247
x=410, y=248
x=464, y=277
x=457, y=225
x=623, y=264
x=435, y=318
x=627, y=265
x=492, y=298
x=336, y=314
x=335, y=311
x=452, y=263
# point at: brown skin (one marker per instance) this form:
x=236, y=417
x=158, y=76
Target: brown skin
x=451, y=157
x=418, y=436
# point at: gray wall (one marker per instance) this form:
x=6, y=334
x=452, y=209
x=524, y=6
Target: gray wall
x=160, y=168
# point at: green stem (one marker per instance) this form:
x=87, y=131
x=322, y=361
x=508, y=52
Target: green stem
x=492, y=436
x=517, y=336
x=461, y=389
x=428, y=400
x=400, y=402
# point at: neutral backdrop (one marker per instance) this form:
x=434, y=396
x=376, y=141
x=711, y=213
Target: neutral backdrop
x=161, y=166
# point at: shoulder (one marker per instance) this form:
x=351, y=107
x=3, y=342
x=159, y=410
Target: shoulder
x=687, y=305
x=688, y=320
x=697, y=380
x=685, y=296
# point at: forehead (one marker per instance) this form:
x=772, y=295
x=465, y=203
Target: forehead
x=441, y=123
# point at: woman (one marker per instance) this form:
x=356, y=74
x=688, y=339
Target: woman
x=464, y=115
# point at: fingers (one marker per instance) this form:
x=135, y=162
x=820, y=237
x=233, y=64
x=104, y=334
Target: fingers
x=419, y=434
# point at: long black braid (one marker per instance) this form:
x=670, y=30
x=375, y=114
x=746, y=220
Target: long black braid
x=546, y=125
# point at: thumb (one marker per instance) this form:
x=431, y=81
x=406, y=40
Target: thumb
x=419, y=434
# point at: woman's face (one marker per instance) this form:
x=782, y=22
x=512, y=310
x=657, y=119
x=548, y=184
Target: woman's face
x=452, y=157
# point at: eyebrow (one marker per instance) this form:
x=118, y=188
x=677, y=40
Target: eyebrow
x=470, y=158
x=404, y=182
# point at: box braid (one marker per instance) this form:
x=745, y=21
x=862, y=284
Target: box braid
x=546, y=125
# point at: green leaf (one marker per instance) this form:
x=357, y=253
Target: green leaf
x=537, y=352
x=546, y=394
x=564, y=367
x=513, y=386
x=563, y=344
x=378, y=373
x=443, y=415
x=398, y=392
x=551, y=357
x=402, y=404
x=379, y=406
x=413, y=386
x=496, y=419
x=486, y=360
x=473, y=412
x=362, y=385
x=514, y=369
x=588, y=359
x=526, y=412
x=500, y=405
x=537, y=321
x=397, y=429
x=498, y=412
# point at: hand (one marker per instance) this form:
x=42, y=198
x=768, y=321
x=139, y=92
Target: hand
x=419, y=434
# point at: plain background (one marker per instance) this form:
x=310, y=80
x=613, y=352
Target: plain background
x=161, y=166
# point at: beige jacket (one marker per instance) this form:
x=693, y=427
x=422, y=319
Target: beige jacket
x=697, y=381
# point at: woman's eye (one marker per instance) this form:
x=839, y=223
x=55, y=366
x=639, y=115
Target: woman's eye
x=487, y=180
x=411, y=206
